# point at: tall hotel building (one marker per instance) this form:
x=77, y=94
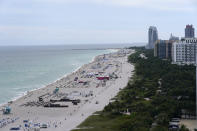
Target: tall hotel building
x=152, y=36
x=189, y=31
x=184, y=51
x=163, y=49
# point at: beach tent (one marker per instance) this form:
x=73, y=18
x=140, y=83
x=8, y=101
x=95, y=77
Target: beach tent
x=76, y=78
x=34, y=129
x=43, y=126
x=27, y=125
x=102, y=78
x=25, y=121
x=15, y=129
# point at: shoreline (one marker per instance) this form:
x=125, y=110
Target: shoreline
x=44, y=114
x=75, y=70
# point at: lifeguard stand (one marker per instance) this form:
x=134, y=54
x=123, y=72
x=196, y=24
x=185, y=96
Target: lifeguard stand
x=7, y=110
x=56, y=90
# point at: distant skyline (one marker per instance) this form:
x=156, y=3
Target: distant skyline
x=56, y=22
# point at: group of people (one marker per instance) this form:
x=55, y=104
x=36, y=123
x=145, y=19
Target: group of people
x=4, y=122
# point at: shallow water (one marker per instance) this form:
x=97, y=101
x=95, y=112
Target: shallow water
x=26, y=68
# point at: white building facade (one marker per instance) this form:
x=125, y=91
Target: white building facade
x=184, y=51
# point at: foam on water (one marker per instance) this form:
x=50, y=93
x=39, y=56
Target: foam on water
x=24, y=69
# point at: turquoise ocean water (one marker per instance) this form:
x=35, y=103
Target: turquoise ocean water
x=25, y=68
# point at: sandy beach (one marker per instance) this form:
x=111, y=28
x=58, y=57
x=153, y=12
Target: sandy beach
x=190, y=124
x=64, y=104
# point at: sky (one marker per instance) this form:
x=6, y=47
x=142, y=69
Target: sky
x=54, y=22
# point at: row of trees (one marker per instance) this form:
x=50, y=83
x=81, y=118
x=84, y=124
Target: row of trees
x=158, y=92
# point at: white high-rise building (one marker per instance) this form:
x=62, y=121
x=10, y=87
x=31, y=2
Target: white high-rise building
x=184, y=51
x=152, y=37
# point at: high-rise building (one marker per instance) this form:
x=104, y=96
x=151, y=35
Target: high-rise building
x=184, y=51
x=152, y=37
x=163, y=49
x=173, y=38
x=189, y=31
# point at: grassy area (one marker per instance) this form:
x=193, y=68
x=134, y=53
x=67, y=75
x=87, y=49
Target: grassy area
x=101, y=122
x=111, y=122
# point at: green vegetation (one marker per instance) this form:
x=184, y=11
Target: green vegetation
x=157, y=92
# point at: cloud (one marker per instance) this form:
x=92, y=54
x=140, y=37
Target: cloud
x=85, y=21
x=44, y=35
x=171, y=5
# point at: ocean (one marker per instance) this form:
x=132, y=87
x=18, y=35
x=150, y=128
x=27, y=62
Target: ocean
x=26, y=68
